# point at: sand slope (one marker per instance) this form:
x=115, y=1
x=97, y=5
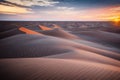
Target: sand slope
x=107, y=38
x=10, y=32
x=26, y=45
x=56, y=69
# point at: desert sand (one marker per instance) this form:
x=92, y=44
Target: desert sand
x=55, y=54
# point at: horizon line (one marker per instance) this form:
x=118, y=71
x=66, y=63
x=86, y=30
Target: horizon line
x=59, y=20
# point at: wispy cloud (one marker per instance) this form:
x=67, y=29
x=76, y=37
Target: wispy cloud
x=33, y=2
x=65, y=8
x=98, y=14
x=4, y=9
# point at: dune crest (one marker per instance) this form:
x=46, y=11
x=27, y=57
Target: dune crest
x=44, y=27
x=56, y=26
x=57, y=32
x=28, y=31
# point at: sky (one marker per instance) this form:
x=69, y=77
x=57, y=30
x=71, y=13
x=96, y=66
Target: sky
x=60, y=10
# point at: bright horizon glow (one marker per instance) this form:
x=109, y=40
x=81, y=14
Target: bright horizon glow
x=116, y=21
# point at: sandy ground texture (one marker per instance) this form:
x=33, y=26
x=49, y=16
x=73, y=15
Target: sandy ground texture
x=55, y=54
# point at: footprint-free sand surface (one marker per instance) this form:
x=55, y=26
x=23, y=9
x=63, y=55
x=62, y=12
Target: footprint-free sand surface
x=55, y=54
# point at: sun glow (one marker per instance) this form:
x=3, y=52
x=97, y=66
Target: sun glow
x=116, y=20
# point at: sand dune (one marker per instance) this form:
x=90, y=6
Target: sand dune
x=107, y=38
x=55, y=54
x=102, y=35
x=34, y=46
x=82, y=55
x=10, y=32
x=56, y=69
x=97, y=45
x=76, y=40
x=57, y=32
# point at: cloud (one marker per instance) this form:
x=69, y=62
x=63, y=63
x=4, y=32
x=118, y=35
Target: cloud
x=4, y=9
x=116, y=8
x=62, y=15
x=113, y=17
x=65, y=8
x=33, y=2
x=58, y=12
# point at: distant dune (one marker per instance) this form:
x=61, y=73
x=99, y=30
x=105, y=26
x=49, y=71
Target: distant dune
x=57, y=32
x=102, y=37
x=10, y=32
x=28, y=31
x=51, y=53
x=44, y=27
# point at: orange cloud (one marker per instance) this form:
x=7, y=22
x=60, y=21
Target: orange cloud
x=13, y=10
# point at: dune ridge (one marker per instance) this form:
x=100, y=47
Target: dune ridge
x=44, y=27
x=10, y=32
x=28, y=31
x=82, y=55
x=57, y=32
x=36, y=44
